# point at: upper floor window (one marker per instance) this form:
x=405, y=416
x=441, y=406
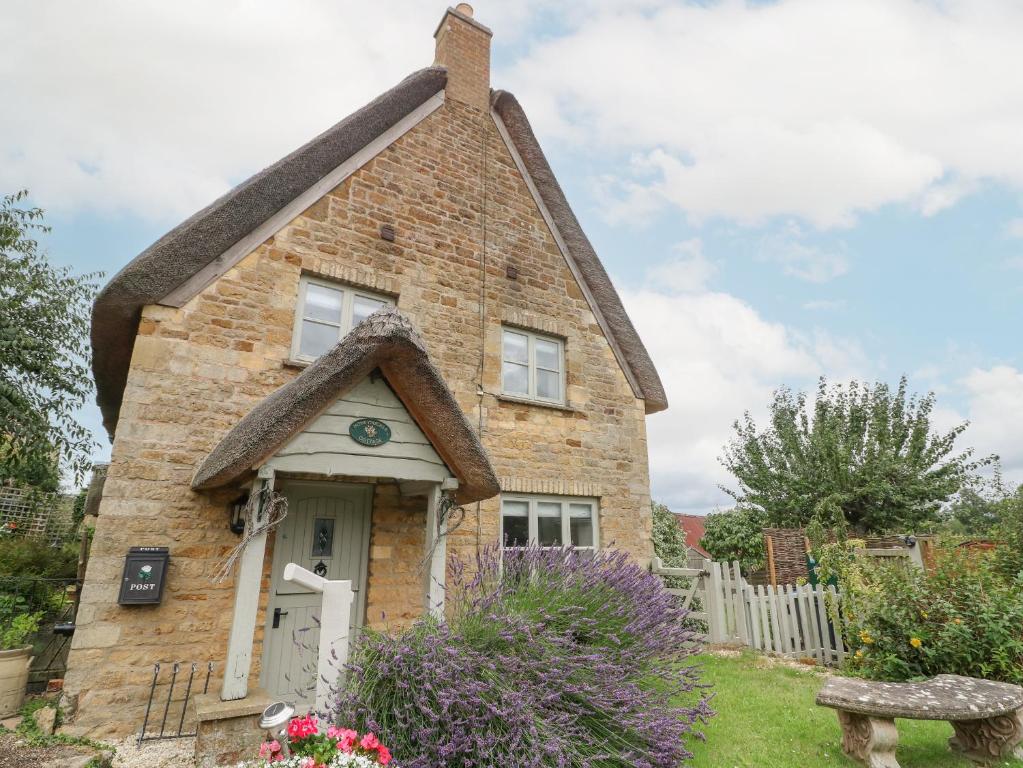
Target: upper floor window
x=532, y=366
x=549, y=521
x=326, y=312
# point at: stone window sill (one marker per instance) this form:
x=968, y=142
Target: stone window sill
x=563, y=407
x=290, y=362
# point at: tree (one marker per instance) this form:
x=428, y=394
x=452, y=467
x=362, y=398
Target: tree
x=1008, y=534
x=971, y=513
x=44, y=354
x=736, y=534
x=866, y=458
x=670, y=544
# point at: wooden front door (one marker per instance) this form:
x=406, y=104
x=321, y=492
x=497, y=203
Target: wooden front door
x=326, y=531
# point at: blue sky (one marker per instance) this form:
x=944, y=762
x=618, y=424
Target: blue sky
x=780, y=190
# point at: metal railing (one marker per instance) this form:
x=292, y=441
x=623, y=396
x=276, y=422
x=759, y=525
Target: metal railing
x=179, y=732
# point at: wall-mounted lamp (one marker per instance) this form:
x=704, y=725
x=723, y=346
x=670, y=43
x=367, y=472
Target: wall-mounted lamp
x=237, y=523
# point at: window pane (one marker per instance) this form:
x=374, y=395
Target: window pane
x=515, y=508
x=516, y=523
x=515, y=379
x=548, y=355
x=363, y=307
x=516, y=348
x=548, y=524
x=581, y=524
x=323, y=537
x=322, y=303
x=516, y=531
x=548, y=384
x=316, y=338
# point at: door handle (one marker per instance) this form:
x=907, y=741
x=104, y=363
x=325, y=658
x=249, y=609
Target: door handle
x=277, y=617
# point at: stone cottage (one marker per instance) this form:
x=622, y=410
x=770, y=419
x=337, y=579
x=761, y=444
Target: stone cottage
x=402, y=329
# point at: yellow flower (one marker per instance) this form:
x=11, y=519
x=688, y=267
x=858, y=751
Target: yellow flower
x=866, y=638
x=916, y=642
x=859, y=654
x=923, y=614
x=957, y=621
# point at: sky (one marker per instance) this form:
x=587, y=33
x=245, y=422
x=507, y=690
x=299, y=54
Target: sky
x=780, y=190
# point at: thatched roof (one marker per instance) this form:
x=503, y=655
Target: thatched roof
x=386, y=341
x=201, y=239
x=207, y=235
x=623, y=333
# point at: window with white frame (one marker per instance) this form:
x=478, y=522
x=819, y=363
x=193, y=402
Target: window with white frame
x=327, y=311
x=532, y=366
x=549, y=521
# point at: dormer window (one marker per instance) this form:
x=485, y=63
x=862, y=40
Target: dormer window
x=326, y=312
x=532, y=366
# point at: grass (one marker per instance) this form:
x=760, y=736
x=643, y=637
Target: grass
x=767, y=719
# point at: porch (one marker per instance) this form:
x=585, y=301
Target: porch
x=350, y=471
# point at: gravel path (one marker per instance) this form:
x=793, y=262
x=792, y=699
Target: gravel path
x=170, y=753
x=14, y=753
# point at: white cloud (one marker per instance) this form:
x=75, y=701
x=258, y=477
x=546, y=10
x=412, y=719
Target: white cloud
x=820, y=109
x=824, y=305
x=1014, y=228
x=689, y=271
x=790, y=249
x=156, y=108
x=718, y=357
x=995, y=410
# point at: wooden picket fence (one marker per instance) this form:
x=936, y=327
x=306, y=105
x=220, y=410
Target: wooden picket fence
x=794, y=621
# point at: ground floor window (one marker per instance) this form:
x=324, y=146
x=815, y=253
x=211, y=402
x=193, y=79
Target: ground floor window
x=550, y=521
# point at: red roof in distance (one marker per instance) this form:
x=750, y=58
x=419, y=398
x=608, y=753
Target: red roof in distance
x=693, y=527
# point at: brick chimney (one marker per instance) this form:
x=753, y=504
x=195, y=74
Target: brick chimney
x=463, y=46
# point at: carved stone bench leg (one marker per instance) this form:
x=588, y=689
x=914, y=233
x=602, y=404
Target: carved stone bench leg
x=986, y=741
x=871, y=740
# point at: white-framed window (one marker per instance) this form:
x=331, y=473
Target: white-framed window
x=327, y=311
x=549, y=521
x=532, y=366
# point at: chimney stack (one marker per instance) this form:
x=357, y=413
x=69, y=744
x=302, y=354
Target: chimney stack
x=463, y=47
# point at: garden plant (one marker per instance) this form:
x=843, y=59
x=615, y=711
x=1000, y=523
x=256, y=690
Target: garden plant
x=308, y=746
x=550, y=658
x=963, y=616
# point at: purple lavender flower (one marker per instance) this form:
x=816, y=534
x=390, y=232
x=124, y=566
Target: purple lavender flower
x=550, y=658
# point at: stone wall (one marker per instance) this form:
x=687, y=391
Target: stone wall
x=197, y=370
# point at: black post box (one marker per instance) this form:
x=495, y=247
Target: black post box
x=145, y=569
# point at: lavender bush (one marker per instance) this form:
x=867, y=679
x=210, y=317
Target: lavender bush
x=550, y=659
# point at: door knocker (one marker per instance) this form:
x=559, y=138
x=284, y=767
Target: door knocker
x=320, y=569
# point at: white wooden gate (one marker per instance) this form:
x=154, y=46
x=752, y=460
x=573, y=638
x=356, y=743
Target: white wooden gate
x=794, y=621
x=797, y=621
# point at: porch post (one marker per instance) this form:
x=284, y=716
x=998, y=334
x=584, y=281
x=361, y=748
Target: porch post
x=436, y=548
x=436, y=554
x=246, y=601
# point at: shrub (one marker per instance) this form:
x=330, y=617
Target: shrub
x=1008, y=533
x=550, y=659
x=736, y=535
x=32, y=569
x=962, y=618
x=17, y=625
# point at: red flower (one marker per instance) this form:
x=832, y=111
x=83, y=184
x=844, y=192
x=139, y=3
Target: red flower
x=369, y=741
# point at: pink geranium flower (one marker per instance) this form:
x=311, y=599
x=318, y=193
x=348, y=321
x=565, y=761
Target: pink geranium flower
x=369, y=741
x=383, y=755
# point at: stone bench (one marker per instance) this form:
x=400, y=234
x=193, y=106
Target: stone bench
x=987, y=716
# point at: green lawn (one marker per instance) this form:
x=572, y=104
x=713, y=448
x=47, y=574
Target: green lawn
x=767, y=719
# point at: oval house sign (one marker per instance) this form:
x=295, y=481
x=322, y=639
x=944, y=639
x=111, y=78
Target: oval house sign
x=370, y=432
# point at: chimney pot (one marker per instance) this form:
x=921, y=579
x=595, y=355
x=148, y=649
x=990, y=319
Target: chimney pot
x=465, y=9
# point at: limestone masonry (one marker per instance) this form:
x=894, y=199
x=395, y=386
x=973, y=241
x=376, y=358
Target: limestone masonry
x=464, y=220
